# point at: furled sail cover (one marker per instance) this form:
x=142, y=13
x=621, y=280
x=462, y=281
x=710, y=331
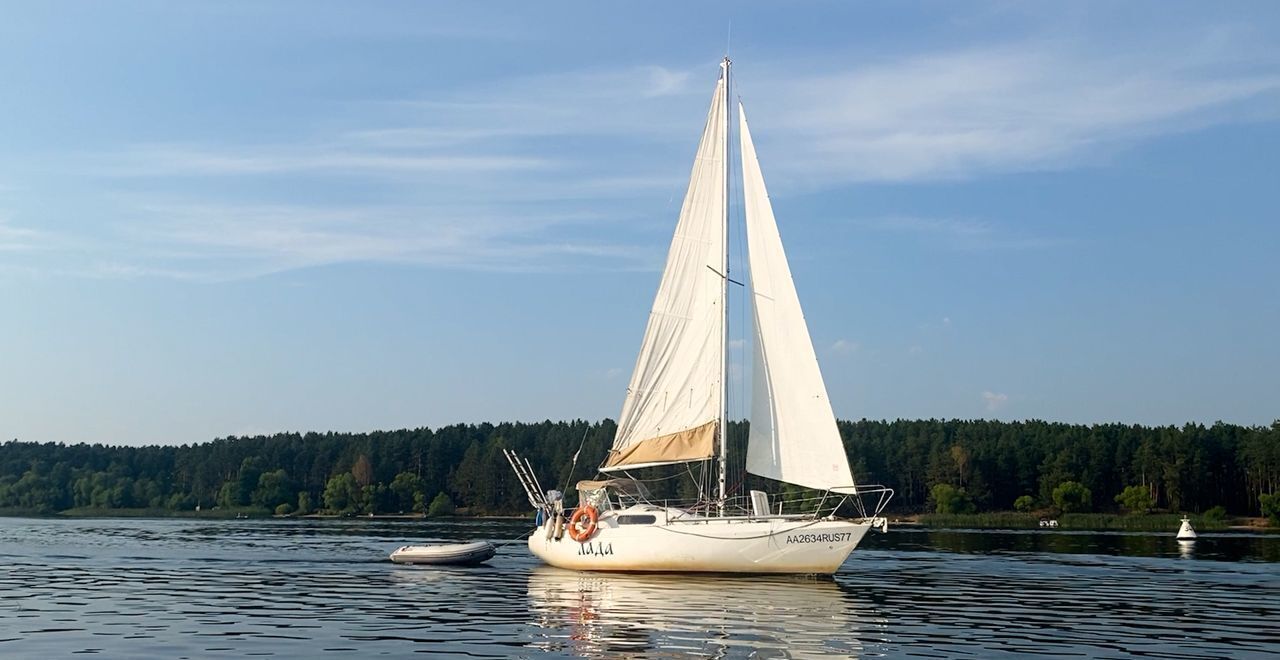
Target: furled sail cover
x=793, y=434
x=673, y=400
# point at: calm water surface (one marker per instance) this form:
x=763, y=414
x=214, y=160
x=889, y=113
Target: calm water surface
x=187, y=588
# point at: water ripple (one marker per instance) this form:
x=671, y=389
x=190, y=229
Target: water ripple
x=165, y=589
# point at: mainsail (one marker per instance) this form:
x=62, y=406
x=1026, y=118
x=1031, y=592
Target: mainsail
x=673, y=402
x=793, y=434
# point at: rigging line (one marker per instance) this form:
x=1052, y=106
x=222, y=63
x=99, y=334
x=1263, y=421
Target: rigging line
x=653, y=479
x=724, y=276
x=574, y=464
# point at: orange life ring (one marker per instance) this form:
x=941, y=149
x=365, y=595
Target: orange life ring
x=578, y=531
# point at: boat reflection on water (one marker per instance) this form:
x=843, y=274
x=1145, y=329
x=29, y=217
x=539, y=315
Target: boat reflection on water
x=592, y=614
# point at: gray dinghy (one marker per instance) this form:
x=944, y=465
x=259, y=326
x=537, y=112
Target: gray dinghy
x=445, y=554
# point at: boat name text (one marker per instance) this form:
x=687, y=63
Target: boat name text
x=596, y=549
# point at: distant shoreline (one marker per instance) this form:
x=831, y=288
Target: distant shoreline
x=1151, y=522
x=219, y=514
x=1155, y=522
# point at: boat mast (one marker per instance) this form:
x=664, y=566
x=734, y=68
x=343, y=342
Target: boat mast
x=724, y=295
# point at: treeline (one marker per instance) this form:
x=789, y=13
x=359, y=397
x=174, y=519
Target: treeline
x=983, y=465
x=1192, y=468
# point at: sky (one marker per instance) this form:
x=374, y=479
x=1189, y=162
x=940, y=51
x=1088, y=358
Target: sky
x=231, y=218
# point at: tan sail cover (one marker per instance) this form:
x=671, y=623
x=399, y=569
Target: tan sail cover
x=673, y=400
x=793, y=434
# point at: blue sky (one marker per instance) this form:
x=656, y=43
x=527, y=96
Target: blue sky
x=230, y=218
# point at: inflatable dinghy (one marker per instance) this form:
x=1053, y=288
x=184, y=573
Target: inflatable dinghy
x=446, y=554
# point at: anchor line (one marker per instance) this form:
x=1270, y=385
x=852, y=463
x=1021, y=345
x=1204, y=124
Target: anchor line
x=506, y=543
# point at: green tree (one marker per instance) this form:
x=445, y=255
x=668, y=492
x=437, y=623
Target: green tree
x=180, y=502
x=304, y=503
x=230, y=495
x=342, y=493
x=949, y=499
x=1136, y=499
x=1270, y=505
x=236, y=491
x=274, y=488
x=1072, y=497
x=146, y=493
x=404, y=488
x=284, y=509
x=34, y=491
x=442, y=505
x=371, y=498
x=1024, y=503
x=473, y=479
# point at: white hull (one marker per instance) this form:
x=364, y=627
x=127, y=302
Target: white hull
x=704, y=545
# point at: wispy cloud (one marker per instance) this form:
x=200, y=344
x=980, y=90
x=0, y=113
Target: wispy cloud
x=1021, y=106
x=428, y=137
x=211, y=241
x=844, y=347
x=542, y=152
x=476, y=178
x=170, y=160
x=639, y=101
x=994, y=401
x=962, y=234
x=13, y=239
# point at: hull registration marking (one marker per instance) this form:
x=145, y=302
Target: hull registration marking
x=834, y=537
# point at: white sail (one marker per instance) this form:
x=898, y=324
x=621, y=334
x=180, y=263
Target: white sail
x=793, y=434
x=673, y=401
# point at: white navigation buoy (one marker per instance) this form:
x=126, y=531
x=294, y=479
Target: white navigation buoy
x=1185, y=532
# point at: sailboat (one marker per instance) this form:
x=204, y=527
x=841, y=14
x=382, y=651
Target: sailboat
x=675, y=413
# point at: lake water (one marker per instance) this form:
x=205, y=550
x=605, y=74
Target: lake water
x=286, y=588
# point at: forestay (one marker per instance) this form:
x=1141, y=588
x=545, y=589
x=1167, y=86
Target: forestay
x=793, y=434
x=673, y=400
